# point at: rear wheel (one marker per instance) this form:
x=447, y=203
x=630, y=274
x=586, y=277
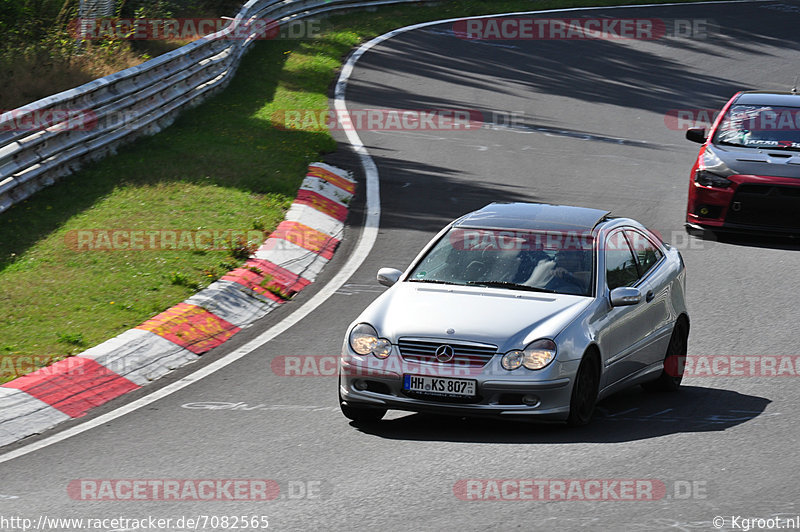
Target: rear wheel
x=584, y=392
x=674, y=361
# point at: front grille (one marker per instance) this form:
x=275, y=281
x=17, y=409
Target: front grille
x=766, y=206
x=473, y=355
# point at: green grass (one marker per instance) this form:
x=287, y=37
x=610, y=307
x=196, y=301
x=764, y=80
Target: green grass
x=221, y=166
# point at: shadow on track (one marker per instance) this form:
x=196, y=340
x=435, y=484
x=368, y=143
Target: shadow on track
x=426, y=198
x=598, y=71
x=789, y=243
x=630, y=415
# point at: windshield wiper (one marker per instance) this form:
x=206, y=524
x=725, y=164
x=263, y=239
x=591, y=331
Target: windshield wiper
x=432, y=281
x=506, y=284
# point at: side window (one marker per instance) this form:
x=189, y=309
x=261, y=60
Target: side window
x=620, y=264
x=646, y=252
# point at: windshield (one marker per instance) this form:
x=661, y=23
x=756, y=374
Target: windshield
x=552, y=262
x=760, y=126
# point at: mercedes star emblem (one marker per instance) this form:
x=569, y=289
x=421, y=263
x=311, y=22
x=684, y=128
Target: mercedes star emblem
x=444, y=353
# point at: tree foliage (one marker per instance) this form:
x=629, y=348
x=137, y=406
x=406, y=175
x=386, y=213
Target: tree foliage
x=33, y=20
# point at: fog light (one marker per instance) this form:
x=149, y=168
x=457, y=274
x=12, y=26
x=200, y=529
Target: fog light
x=530, y=400
x=708, y=211
x=360, y=385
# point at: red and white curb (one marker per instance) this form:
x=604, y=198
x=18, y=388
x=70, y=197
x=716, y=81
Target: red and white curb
x=288, y=261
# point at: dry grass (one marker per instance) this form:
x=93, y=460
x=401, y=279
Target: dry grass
x=41, y=70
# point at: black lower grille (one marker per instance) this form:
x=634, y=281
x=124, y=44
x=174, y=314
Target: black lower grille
x=766, y=206
x=443, y=398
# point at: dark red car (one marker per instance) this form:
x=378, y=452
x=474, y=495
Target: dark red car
x=747, y=175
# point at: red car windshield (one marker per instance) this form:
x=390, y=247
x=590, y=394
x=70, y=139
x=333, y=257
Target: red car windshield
x=760, y=126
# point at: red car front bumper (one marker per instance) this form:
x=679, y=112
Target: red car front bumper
x=751, y=203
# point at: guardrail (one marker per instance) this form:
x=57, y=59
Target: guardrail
x=89, y=122
x=96, y=8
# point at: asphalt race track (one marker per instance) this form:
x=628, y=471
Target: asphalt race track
x=589, y=130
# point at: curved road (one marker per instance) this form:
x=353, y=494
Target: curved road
x=589, y=130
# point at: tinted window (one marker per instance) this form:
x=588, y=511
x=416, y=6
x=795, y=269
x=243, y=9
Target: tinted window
x=646, y=252
x=760, y=126
x=620, y=264
x=551, y=261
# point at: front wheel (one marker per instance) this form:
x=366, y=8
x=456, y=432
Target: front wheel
x=362, y=414
x=584, y=392
x=674, y=361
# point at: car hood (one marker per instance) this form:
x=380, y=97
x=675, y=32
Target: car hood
x=754, y=161
x=506, y=318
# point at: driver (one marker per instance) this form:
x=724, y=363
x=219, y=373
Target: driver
x=558, y=273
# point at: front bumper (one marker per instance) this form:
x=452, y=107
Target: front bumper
x=497, y=395
x=752, y=204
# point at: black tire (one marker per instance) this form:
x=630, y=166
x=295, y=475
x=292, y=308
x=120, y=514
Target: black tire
x=674, y=361
x=584, y=392
x=362, y=414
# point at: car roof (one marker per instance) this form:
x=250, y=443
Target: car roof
x=786, y=99
x=533, y=216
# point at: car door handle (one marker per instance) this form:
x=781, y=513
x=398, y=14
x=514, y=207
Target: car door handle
x=649, y=297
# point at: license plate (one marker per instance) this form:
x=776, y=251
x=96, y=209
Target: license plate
x=439, y=386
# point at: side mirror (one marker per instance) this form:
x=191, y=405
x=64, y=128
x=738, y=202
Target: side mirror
x=696, y=134
x=624, y=296
x=388, y=276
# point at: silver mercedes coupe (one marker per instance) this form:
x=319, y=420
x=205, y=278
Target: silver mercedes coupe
x=520, y=310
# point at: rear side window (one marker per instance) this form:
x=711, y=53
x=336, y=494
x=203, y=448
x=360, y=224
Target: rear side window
x=646, y=252
x=621, y=269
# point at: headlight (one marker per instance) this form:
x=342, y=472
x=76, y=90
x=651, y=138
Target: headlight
x=709, y=179
x=512, y=360
x=364, y=340
x=536, y=356
x=539, y=354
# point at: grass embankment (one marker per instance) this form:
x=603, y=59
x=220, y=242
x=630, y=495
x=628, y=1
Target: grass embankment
x=221, y=166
